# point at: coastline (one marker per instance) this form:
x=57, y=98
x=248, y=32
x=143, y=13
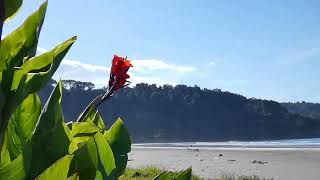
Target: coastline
x=209, y=162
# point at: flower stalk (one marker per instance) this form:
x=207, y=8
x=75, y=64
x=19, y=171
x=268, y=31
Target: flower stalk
x=117, y=80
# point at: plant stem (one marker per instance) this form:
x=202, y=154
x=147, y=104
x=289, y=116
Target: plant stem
x=94, y=104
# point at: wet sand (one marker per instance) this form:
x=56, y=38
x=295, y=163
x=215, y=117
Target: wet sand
x=284, y=164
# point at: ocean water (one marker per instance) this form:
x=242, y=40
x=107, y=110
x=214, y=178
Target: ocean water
x=311, y=143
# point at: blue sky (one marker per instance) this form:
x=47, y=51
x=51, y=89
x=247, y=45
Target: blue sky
x=267, y=49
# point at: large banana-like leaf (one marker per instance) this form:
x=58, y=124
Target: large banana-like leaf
x=51, y=135
x=185, y=175
x=94, y=117
x=13, y=99
x=94, y=159
x=5, y=155
x=73, y=177
x=22, y=124
x=59, y=170
x=84, y=128
x=11, y=7
x=121, y=161
x=2, y=100
x=51, y=114
x=108, y=166
x=18, y=168
x=118, y=137
x=120, y=142
x=36, y=81
x=41, y=68
x=25, y=83
x=23, y=41
x=163, y=176
x=86, y=160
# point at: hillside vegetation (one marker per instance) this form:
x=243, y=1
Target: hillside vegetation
x=311, y=110
x=182, y=113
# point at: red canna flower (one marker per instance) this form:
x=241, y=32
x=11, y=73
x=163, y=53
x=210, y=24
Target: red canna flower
x=118, y=80
x=118, y=74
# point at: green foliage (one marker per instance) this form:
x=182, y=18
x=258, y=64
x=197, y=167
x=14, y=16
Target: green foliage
x=11, y=7
x=186, y=174
x=22, y=124
x=38, y=144
x=22, y=43
x=148, y=173
x=19, y=167
x=58, y=170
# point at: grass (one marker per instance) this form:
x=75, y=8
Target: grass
x=149, y=173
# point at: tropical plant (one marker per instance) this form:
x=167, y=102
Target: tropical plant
x=38, y=144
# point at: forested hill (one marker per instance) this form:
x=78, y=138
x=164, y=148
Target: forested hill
x=304, y=108
x=182, y=113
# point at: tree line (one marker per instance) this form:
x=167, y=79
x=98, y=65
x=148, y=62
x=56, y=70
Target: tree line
x=181, y=113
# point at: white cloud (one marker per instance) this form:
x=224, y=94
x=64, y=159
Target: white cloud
x=212, y=64
x=84, y=66
x=151, y=71
x=150, y=65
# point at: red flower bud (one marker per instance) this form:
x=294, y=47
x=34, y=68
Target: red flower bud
x=118, y=74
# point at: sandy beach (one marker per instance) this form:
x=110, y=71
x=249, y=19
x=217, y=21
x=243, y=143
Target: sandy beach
x=284, y=164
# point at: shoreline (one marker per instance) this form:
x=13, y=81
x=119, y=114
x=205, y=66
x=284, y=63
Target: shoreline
x=232, y=148
x=294, y=164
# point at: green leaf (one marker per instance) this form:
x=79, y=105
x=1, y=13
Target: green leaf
x=163, y=176
x=21, y=87
x=83, y=129
x=11, y=7
x=23, y=41
x=99, y=175
x=2, y=100
x=118, y=137
x=18, y=168
x=73, y=177
x=51, y=136
x=82, y=132
x=14, y=144
x=51, y=114
x=105, y=156
x=94, y=117
x=121, y=163
x=22, y=124
x=185, y=175
x=41, y=68
x=81, y=139
x=59, y=170
x=5, y=155
x=13, y=98
x=86, y=160
x=98, y=121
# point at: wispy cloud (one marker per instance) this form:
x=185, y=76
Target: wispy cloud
x=84, y=66
x=150, y=65
x=151, y=71
x=212, y=64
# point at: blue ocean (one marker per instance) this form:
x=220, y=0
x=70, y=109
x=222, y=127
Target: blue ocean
x=310, y=143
